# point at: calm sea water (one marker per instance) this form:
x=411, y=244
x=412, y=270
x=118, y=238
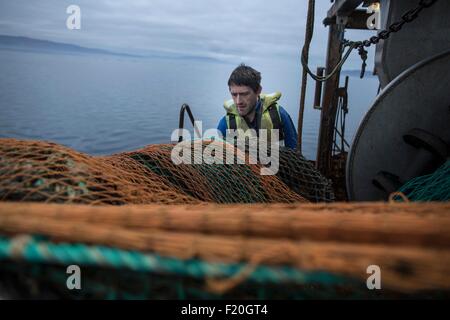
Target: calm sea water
x=101, y=104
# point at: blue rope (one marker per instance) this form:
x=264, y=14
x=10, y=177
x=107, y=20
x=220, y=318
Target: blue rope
x=36, y=250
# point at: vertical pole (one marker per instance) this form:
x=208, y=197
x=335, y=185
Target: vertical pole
x=309, y=31
x=329, y=101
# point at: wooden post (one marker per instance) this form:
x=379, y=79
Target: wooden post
x=329, y=101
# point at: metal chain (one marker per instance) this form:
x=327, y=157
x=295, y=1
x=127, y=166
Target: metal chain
x=407, y=17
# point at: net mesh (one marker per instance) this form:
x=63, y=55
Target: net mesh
x=221, y=183
x=431, y=187
x=301, y=176
x=48, y=172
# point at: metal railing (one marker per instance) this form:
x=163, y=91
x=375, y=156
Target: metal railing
x=185, y=107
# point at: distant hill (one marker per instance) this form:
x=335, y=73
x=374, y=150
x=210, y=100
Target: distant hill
x=356, y=73
x=24, y=43
x=37, y=45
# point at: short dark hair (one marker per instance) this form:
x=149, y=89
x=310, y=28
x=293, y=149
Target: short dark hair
x=245, y=76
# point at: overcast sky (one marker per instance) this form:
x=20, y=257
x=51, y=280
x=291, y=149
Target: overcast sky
x=231, y=30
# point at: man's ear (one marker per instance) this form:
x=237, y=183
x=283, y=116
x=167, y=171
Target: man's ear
x=259, y=91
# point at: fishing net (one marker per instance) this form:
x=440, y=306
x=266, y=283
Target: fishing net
x=195, y=248
x=225, y=251
x=431, y=187
x=301, y=176
x=44, y=171
x=47, y=172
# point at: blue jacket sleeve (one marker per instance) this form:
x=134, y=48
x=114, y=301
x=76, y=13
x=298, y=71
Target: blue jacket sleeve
x=222, y=127
x=290, y=134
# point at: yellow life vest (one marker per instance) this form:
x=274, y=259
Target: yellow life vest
x=269, y=114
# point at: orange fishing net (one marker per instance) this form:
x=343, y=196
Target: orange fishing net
x=48, y=172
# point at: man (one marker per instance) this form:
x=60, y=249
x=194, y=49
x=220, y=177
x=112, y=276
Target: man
x=249, y=109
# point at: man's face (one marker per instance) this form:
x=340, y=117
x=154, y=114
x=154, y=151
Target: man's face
x=244, y=98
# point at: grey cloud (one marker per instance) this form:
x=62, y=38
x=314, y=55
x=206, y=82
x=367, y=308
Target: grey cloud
x=225, y=29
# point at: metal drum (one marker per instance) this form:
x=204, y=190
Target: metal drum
x=406, y=133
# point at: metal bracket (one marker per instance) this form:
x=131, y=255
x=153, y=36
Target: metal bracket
x=342, y=20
